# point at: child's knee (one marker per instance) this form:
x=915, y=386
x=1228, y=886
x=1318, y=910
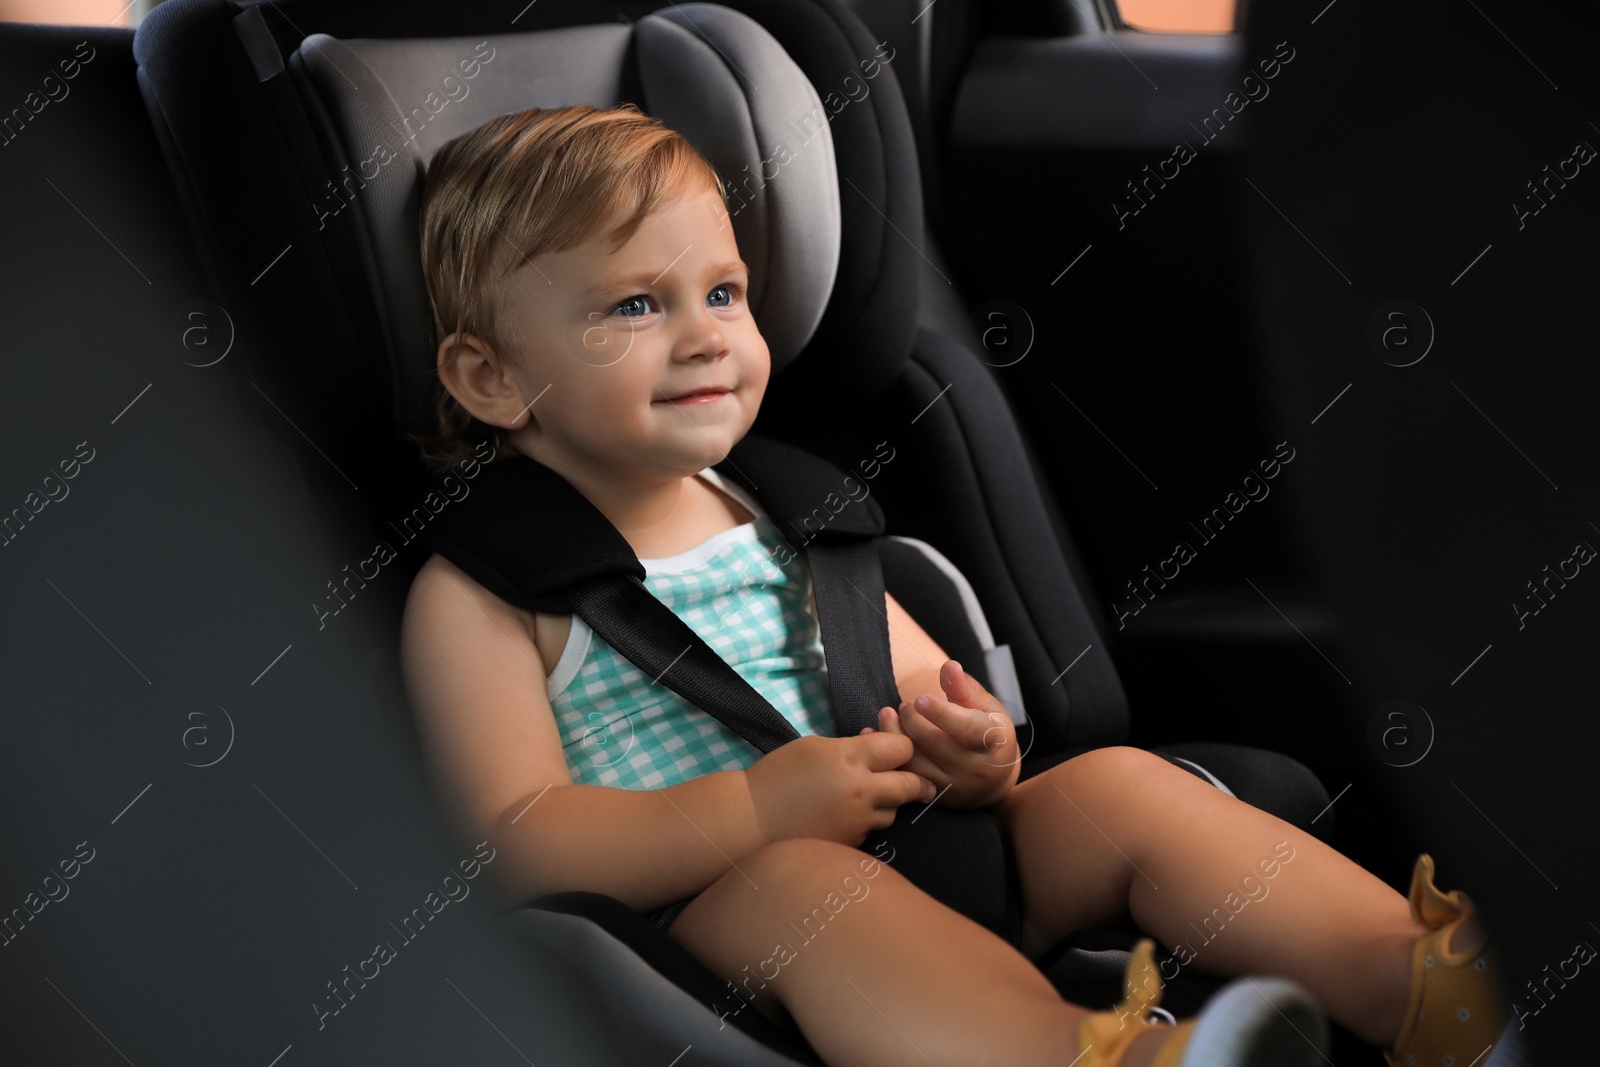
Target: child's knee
x=1115, y=765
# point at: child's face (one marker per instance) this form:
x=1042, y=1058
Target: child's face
x=600, y=342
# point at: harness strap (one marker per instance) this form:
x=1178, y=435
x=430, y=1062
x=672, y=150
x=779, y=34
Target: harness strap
x=848, y=582
x=527, y=534
x=655, y=639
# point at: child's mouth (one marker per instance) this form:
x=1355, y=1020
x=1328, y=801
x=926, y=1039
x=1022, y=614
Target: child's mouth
x=697, y=398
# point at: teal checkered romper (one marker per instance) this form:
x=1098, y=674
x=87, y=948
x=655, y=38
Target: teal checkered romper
x=618, y=728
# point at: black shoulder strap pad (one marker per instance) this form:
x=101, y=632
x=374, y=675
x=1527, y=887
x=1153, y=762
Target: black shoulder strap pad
x=526, y=534
x=803, y=493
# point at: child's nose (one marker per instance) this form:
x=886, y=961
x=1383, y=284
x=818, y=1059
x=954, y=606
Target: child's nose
x=709, y=343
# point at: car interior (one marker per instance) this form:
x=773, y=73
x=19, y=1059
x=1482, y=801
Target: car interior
x=1220, y=372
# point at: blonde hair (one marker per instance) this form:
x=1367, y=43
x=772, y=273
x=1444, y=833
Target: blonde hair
x=519, y=186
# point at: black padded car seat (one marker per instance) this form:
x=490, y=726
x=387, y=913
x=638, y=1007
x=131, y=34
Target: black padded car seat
x=332, y=111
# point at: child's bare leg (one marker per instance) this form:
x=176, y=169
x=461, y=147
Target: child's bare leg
x=883, y=974
x=1119, y=831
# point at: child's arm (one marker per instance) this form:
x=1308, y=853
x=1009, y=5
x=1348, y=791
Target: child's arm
x=478, y=690
x=965, y=740
x=646, y=847
x=916, y=656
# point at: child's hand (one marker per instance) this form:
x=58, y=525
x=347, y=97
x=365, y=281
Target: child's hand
x=965, y=741
x=833, y=788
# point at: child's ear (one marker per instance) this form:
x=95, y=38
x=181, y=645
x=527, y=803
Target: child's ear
x=476, y=375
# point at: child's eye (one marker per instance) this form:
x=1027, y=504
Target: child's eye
x=734, y=291
x=632, y=302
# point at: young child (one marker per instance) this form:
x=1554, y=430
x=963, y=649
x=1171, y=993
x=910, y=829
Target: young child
x=590, y=304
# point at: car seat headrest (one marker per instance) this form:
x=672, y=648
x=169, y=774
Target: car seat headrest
x=711, y=73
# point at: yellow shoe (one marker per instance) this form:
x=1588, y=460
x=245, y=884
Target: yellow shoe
x=1105, y=1036
x=1458, y=1008
x=1250, y=1022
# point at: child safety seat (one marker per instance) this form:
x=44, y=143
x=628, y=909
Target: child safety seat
x=298, y=134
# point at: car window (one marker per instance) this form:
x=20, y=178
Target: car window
x=1178, y=16
x=76, y=12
